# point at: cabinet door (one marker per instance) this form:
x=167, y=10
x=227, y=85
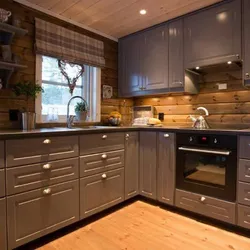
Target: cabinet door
x=2, y=183
x=176, y=56
x=42, y=211
x=101, y=191
x=130, y=79
x=213, y=35
x=154, y=58
x=131, y=164
x=1, y=154
x=166, y=168
x=3, y=234
x=246, y=41
x=148, y=149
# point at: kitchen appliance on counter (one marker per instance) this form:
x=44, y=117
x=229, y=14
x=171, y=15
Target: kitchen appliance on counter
x=207, y=164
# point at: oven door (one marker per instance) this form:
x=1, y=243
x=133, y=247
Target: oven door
x=210, y=172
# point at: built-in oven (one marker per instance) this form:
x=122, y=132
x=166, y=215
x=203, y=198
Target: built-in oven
x=207, y=164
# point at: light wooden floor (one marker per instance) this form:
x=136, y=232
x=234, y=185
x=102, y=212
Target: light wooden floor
x=143, y=226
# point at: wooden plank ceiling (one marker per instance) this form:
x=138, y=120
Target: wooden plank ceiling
x=118, y=18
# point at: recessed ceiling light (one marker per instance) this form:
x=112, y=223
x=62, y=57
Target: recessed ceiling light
x=197, y=67
x=229, y=62
x=143, y=12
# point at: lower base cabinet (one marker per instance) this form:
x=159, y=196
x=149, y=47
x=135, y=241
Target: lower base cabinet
x=101, y=191
x=42, y=211
x=208, y=206
x=3, y=234
x=243, y=216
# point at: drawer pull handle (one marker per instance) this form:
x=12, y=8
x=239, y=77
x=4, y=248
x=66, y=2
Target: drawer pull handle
x=47, y=141
x=104, y=156
x=104, y=137
x=202, y=199
x=127, y=135
x=166, y=135
x=104, y=176
x=47, y=166
x=47, y=191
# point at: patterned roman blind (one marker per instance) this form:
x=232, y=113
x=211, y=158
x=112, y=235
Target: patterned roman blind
x=57, y=41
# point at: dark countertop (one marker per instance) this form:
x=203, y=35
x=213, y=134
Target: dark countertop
x=59, y=131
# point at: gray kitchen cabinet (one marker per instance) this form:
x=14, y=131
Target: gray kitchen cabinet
x=101, y=191
x=131, y=164
x=243, y=216
x=35, y=150
x=3, y=218
x=99, y=143
x=208, y=206
x=154, y=58
x=96, y=163
x=2, y=183
x=29, y=177
x=213, y=35
x=1, y=154
x=244, y=170
x=148, y=162
x=244, y=147
x=42, y=211
x=243, y=193
x=166, y=168
x=246, y=42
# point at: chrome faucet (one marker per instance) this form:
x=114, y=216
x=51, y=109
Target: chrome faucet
x=200, y=122
x=70, y=118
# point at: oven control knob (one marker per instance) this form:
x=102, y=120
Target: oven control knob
x=215, y=141
x=190, y=138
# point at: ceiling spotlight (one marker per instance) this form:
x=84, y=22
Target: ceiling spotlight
x=197, y=67
x=143, y=12
x=229, y=62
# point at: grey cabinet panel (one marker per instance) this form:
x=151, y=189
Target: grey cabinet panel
x=166, y=168
x=1, y=154
x=244, y=170
x=98, y=143
x=131, y=164
x=28, y=151
x=3, y=218
x=154, y=58
x=213, y=35
x=243, y=216
x=243, y=193
x=36, y=213
x=148, y=151
x=2, y=182
x=211, y=207
x=244, y=147
x=25, y=178
x=101, y=191
x=96, y=163
x=176, y=56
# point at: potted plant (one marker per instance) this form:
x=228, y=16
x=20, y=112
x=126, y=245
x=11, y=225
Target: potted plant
x=81, y=111
x=30, y=90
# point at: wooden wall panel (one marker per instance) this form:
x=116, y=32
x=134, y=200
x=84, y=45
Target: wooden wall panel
x=24, y=47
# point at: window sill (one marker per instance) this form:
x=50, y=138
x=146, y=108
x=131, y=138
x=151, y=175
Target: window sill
x=63, y=124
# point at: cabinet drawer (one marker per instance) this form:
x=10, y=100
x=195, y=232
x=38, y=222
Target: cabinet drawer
x=26, y=178
x=96, y=163
x=35, y=150
x=36, y=213
x=243, y=193
x=244, y=170
x=211, y=207
x=244, y=147
x=1, y=154
x=97, y=143
x=101, y=191
x=2, y=183
x=243, y=216
x=3, y=218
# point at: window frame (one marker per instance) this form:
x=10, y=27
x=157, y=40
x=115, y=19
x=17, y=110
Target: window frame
x=93, y=77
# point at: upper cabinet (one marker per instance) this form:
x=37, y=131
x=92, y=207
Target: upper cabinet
x=213, y=35
x=246, y=42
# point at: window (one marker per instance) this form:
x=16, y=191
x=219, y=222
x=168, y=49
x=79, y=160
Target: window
x=51, y=105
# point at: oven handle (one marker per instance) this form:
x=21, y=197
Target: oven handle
x=208, y=151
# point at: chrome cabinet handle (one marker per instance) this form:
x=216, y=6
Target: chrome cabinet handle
x=104, y=137
x=207, y=151
x=104, y=156
x=47, y=141
x=47, y=166
x=166, y=135
x=177, y=82
x=127, y=136
x=202, y=199
x=247, y=75
x=47, y=191
x=104, y=176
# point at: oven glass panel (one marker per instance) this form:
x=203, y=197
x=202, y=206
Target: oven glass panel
x=205, y=168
